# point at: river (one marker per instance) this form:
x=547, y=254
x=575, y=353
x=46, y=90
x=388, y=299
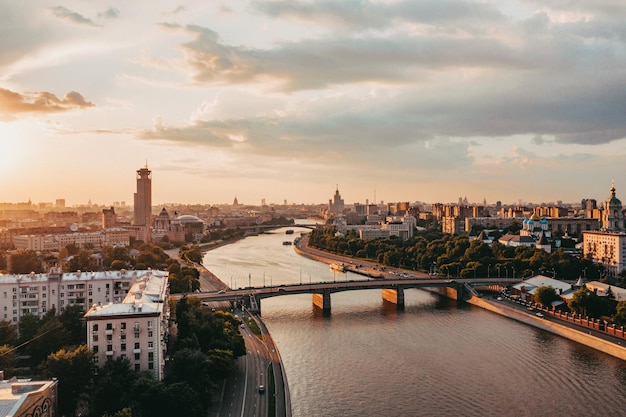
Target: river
x=434, y=358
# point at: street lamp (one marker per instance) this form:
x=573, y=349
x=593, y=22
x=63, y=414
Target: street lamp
x=488, y=268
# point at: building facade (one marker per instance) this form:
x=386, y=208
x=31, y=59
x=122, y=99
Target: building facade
x=36, y=294
x=29, y=398
x=606, y=249
x=136, y=328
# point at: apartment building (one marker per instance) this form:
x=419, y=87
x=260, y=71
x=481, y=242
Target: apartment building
x=136, y=328
x=36, y=294
x=54, y=242
x=607, y=249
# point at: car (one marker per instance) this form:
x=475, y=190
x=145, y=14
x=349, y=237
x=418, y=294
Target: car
x=261, y=389
x=499, y=298
x=539, y=314
x=221, y=292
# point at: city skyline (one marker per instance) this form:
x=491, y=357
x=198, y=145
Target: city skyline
x=282, y=100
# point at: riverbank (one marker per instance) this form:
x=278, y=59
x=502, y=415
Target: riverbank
x=608, y=347
x=553, y=327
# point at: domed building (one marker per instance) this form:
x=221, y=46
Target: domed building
x=191, y=225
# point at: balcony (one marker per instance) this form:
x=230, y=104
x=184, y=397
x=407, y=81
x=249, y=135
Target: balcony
x=110, y=352
x=137, y=350
x=109, y=331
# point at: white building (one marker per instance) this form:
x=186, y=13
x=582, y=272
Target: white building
x=28, y=398
x=50, y=242
x=607, y=249
x=135, y=329
x=36, y=294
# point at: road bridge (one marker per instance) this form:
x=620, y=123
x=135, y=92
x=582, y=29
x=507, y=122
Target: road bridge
x=392, y=290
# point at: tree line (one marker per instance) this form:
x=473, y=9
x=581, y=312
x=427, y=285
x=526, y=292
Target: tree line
x=457, y=256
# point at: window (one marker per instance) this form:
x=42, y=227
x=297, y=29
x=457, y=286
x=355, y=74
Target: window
x=109, y=326
x=109, y=338
x=150, y=345
x=95, y=338
x=150, y=334
x=137, y=368
x=136, y=356
x=109, y=348
x=123, y=325
x=95, y=349
x=136, y=345
x=123, y=347
x=53, y=291
x=149, y=323
x=123, y=336
x=150, y=365
x=150, y=356
x=62, y=295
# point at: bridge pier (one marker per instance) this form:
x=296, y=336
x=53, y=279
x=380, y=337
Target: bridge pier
x=322, y=301
x=395, y=296
x=255, y=304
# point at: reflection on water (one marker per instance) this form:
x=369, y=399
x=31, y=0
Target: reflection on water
x=434, y=358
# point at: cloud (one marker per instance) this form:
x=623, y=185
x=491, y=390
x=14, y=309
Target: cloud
x=110, y=13
x=364, y=14
x=322, y=63
x=66, y=14
x=13, y=104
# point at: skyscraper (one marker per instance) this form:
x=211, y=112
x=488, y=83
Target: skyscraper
x=143, y=198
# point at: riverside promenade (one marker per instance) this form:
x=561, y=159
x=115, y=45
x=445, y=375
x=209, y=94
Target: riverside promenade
x=611, y=346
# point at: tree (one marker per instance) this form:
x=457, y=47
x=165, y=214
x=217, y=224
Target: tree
x=73, y=369
x=8, y=333
x=8, y=360
x=620, y=314
x=193, y=368
x=25, y=262
x=588, y=303
x=112, y=386
x=545, y=295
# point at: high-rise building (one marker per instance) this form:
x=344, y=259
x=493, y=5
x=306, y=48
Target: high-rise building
x=143, y=197
x=336, y=205
x=143, y=206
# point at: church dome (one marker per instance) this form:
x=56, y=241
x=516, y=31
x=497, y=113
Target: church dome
x=534, y=217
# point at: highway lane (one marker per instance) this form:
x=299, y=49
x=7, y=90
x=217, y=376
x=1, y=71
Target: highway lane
x=240, y=396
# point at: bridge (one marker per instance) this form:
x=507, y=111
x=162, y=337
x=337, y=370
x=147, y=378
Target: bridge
x=392, y=290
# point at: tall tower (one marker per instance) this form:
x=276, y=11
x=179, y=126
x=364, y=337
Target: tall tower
x=143, y=198
x=612, y=215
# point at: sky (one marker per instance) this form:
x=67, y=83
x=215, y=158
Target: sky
x=403, y=100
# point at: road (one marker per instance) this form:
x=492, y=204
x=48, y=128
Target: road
x=241, y=395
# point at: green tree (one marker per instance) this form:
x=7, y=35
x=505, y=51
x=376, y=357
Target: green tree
x=73, y=368
x=8, y=333
x=588, y=303
x=620, y=314
x=545, y=295
x=25, y=262
x=112, y=386
x=193, y=368
x=82, y=261
x=8, y=360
